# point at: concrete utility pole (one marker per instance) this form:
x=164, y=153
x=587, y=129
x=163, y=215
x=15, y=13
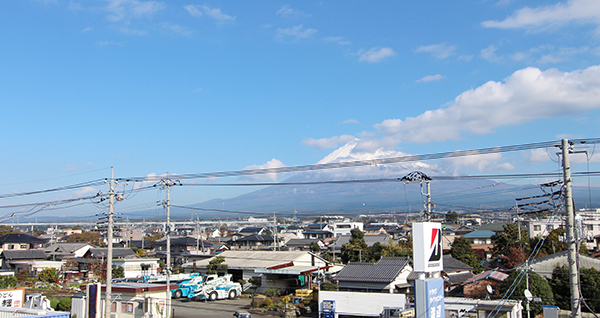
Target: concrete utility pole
x=109, y=237
x=167, y=183
x=572, y=244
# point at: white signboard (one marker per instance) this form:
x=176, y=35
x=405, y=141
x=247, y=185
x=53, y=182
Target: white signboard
x=12, y=297
x=427, y=247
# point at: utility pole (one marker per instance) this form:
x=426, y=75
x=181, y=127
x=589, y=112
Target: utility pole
x=167, y=183
x=572, y=244
x=109, y=237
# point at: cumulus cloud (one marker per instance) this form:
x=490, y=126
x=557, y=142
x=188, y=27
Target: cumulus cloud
x=481, y=162
x=287, y=12
x=215, y=13
x=526, y=95
x=325, y=143
x=375, y=55
x=551, y=16
x=85, y=191
x=272, y=164
x=120, y=10
x=294, y=33
x=440, y=51
x=537, y=156
x=430, y=78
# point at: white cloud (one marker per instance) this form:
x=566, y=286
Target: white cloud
x=481, y=162
x=87, y=29
x=489, y=53
x=84, y=191
x=215, y=13
x=176, y=29
x=325, y=143
x=537, y=156
x=337, y=39
x=440, y=51
x=295, y=33
x=349, y=121
x=430, y=78
x=375, y=55
x=572, y=11
x=526, y=95
x=105, y=43
x=120, y=10
x=287, y=12
x=132, y=31
x=193, y=10
x=272, y=164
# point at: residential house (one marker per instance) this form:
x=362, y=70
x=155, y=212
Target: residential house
x=255, y=241
x=59, y=251
x=476, y=286
x=181, y=246
x=369, y=240
x=481, y=242
x=92, y=263
x=455, y=272
x=303, y=244
x=29, y=261
x=137, y=267
x=344, y=228
x=545, y=265
x=20, y=241
x=287, y=270
x=388, y=275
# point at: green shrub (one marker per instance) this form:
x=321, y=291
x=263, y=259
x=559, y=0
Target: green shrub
x=64, y=304
x=272, y=292
x=54, y=303
x=267, y=303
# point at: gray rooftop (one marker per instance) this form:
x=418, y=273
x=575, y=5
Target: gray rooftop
x=384, y=271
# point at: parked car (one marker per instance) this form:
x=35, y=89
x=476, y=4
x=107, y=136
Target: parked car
x=242, y=314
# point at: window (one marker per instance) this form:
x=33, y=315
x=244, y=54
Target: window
x=113, y=306
x=537, y=227
x=11, y=246
x=589, y=227
x=23, y=246
x=549, y=227
x=127, y=308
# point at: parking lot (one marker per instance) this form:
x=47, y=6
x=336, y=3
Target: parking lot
x=218, y=309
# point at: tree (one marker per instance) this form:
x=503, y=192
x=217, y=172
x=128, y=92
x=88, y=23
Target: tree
x=538, y=286
x=589, y=283
x=86, y=237
x=508, y=238
x=118, y=272
x=353, y=250
x=6, y=229
x=461, y=250
x=451, y=216
x=8, y=282
x=153, y=236
x=215, y=264
x=49, y=275
x=314, y=247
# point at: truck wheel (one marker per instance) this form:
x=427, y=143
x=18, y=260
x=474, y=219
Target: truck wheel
x=177, y=294
x=232, y=294
x=212, y=296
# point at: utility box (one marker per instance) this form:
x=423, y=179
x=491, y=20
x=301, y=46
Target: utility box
x=550, y=311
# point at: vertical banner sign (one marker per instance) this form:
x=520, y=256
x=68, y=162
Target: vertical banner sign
x=434, y=300
x=93, y=300
x=427, y=247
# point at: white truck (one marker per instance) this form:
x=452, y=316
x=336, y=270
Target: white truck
x=215, y=287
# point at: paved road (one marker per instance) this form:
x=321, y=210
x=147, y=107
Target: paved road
x=218, y=309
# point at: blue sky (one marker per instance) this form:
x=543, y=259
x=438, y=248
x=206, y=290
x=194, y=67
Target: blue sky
x=151, y=87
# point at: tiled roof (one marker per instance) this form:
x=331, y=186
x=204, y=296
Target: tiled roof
x=451, y=264
x=182, y=241
x=491, y=274
x=24, y=254
x=480, y=234
x=369, y=239
x=459, y=278
x=117, y=252
x=384, y=271
x=256, y=238
x=20, y=238
x=300, y=242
